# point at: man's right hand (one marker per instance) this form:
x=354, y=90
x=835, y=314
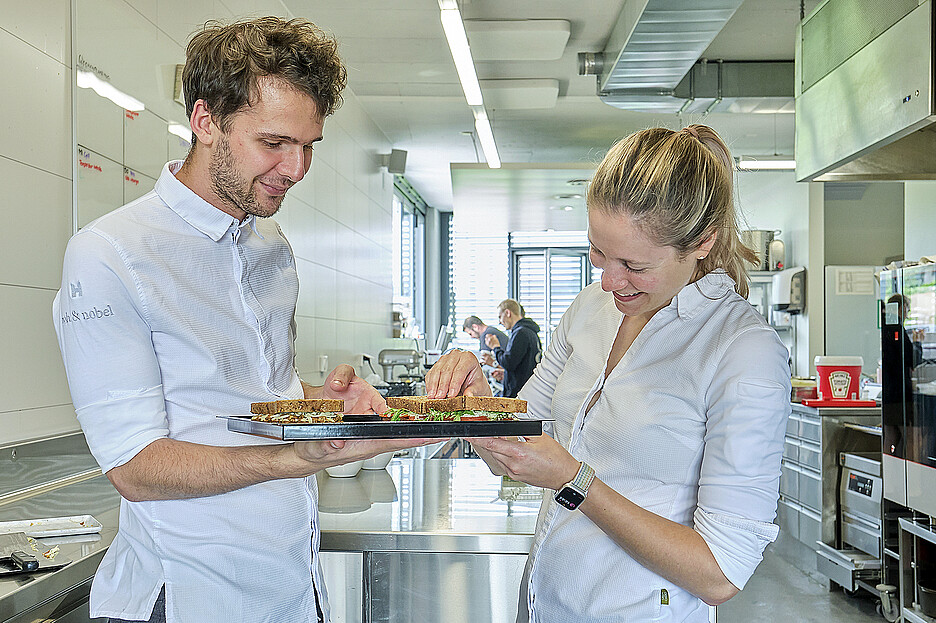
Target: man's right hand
x=457, y=373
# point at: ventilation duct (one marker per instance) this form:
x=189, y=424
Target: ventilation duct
x=651, y=63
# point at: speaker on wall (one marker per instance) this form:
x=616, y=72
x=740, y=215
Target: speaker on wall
x=395, y=161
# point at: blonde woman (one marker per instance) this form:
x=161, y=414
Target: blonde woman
x=670, y=396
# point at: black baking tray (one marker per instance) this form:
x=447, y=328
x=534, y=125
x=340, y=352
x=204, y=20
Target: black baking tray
x=375, y=428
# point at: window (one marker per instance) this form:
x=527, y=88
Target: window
x=542, y=270
x=408, y=261
x=480, y=277
x=548, y=270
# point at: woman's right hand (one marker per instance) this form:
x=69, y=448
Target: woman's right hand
x=456, y=373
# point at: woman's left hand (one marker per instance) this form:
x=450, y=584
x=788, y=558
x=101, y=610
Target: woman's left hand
x=538, y=461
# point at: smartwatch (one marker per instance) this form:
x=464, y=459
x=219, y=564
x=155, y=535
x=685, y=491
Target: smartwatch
x=573, y=493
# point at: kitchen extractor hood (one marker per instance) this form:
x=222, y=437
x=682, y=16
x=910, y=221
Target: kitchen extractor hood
x=865, y=103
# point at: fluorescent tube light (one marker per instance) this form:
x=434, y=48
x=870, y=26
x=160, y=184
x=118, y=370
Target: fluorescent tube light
x=88, y=80
x=763, y=163
x=486, y=137
x=458, y=43
x=181, y=131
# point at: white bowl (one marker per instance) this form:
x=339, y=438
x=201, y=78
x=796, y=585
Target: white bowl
x=378, y=462
x=342, y=495
x=347, y=470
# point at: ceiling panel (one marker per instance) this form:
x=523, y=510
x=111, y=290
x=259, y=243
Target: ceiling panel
x=401, y=71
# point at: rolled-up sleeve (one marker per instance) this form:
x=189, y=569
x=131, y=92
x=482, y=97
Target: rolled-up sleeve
x=107, y=349
x=748, y=405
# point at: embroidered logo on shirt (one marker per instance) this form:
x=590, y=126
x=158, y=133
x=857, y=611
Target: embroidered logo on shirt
x=664, y=597
x=92, y=314
x=74, y=289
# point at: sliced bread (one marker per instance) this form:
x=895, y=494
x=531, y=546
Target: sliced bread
x=308, y=405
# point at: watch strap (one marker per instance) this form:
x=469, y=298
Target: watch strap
x=583, y=478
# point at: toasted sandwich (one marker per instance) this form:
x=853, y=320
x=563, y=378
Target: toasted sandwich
x=458, y=408
x=306, y=411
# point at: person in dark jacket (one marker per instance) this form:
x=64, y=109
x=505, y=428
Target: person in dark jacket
x=523, y=349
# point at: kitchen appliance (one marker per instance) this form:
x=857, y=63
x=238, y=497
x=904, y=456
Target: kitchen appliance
x=908, y=386
x=860, y=491
x=759, y=241
x=857, y=562
x=789, y=290
x=391, y=358
x=886, y=132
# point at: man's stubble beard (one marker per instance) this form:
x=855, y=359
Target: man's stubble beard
x=230, y=187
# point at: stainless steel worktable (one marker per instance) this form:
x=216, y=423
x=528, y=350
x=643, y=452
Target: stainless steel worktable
x=439, y=539
x=55, y=478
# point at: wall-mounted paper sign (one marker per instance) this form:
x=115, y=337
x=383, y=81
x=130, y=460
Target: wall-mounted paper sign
x=857, y=280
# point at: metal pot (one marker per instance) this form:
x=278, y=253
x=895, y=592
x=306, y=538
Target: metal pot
x=759, y=241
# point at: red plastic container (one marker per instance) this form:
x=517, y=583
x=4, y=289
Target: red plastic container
x=838, y=377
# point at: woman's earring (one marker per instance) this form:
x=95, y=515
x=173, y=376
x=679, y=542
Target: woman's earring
x=701, y=257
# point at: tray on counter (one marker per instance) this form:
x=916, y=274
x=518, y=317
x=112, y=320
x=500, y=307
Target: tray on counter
x=384, y=429
x=52, y=526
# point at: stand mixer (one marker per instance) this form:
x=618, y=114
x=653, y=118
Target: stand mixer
x=411, y=360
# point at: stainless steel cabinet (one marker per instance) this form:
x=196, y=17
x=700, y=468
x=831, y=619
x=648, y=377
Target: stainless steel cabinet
x=809, y=470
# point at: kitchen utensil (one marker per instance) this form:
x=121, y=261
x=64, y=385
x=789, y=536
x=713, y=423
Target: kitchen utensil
x=15, y=547
x=386, y=429
x=348, y=470
x=18, y=556
x=53, y=526
x=928, y=600
x=758, y=240
x=378, y=462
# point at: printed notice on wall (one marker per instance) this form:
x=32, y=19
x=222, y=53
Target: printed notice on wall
x=858, y=280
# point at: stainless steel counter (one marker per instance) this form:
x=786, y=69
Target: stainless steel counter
x=836, y=411
x=439, y=539
x=55, y=478
x=392, y=540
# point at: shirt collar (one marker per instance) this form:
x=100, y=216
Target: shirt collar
x=197, y=212
x=695, y=296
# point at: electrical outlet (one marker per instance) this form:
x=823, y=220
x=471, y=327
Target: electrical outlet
x=323, y=363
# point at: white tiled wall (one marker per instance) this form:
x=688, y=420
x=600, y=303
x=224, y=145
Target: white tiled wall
x=337, y=219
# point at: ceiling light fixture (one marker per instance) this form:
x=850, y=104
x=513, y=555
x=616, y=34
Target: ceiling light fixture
x=457, y=39
x=461, y=53
x=88, y=80
x=766, y=163
x=578, y=182
x=569, y=196
x=486, y=137
x=181, y=131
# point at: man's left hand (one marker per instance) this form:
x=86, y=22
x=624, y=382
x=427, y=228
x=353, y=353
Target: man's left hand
x=358, y=394
x=491, y=340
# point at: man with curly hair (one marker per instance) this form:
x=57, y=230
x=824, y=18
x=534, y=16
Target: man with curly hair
x=192, y=294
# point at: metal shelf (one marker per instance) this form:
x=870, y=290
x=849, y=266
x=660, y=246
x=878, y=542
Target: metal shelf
x=918, y=529
x=913, y=615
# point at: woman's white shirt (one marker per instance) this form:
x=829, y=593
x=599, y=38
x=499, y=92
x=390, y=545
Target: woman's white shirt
x=688, y=425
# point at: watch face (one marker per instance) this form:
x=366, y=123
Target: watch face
x=569, y=497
